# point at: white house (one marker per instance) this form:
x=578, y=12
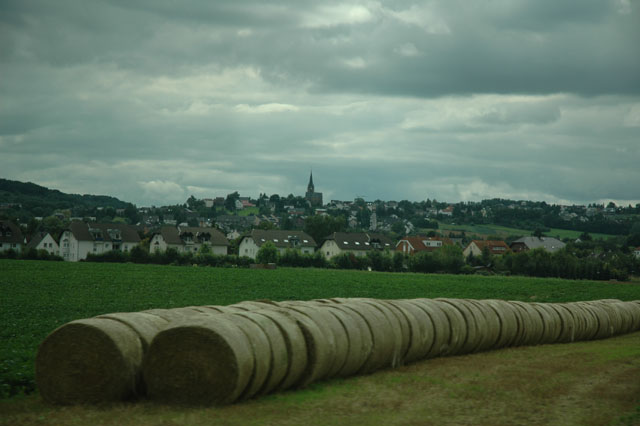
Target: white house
x=358, y=243
x=283, y=240
x=188, y=239
x=83, y=238
x=10, y=236
x=44, y=241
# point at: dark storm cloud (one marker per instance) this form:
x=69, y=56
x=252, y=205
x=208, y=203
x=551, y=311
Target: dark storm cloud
x=153, y=100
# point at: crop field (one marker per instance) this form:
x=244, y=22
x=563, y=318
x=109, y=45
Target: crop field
x=36, y=297
x=504, y=231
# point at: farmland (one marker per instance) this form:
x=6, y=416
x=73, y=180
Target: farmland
x=38, y=296
x=504, y=231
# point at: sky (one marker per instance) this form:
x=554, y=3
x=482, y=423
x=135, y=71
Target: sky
x=154, y=100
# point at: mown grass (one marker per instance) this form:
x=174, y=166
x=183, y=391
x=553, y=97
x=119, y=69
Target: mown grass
x=37, y=296
x=563, y=384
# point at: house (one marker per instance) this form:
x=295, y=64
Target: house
x=358, y=243
x=283, y=240
x=448, y=211
x=83, y=238
x=636, y=252
x=44, y=241
x=187, y=239
x=529, y=243
x=411, y=245
x=10, y=236
x=475, y=247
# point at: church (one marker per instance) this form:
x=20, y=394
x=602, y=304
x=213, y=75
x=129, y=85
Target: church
x=314, y=198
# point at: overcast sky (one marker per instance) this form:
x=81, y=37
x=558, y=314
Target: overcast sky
x=154, y=100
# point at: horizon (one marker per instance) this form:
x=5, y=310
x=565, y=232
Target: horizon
x=327, y=201
x=455, y=101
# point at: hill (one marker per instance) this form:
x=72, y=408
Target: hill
x=26, y=200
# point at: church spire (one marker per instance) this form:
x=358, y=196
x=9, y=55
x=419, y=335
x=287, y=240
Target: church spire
x=311, y=187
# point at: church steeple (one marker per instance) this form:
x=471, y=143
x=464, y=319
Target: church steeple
x=311, y=187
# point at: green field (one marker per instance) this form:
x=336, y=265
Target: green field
x=504, y=231
x=37, y=296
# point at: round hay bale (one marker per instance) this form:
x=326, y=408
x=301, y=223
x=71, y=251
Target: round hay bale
x=580, y=320
x=458, y=328
x=320, y=350
x=488, y=324
x=295, y=344
x=633, y=319
x=261, y=349
x=382, y=335
x=359, y=336
x=279, y=359
x=533, y=325
x=441, y=326
x=89, y=361
x=508, y=322
x=145, y=325
x=335, y=335
x=598, y=321
x=400, y=329
x=613, y=322
x=422, y=332
x=202, y=360
x=550, y=323
x=524, y=325
x=252, y=305
x=567, y=323
x=355, y=356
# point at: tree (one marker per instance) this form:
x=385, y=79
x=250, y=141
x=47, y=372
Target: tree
x=319, y=227
x=230, y=201
x=268, y=253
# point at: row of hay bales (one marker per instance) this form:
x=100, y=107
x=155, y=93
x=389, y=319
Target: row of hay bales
x=221, y=354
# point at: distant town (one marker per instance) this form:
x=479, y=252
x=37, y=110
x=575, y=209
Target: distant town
x=76, y=227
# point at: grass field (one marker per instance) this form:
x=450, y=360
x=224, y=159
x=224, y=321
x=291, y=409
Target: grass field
x=36, y=297
x=503, y=231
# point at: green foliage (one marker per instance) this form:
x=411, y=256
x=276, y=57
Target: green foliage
x=36, y=297
x=321, y=226
x=268, y=253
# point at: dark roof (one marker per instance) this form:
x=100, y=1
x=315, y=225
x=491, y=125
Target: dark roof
x=494, y=246
x=547, y=243
x=10, y=232
x=417, y=242
x=282, y=239
x=36, y=238
x=176, y=235
x=202, y=234
x=104, y=232
x=360, y=240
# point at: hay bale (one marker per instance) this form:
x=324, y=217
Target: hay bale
x=580, y=320
x=567, y=323
x=382, y=336
x=550, y=323
x=508, y=322
x=89, y=361
x=295, y=344
x=252, y=305
x=335, y=334
x=598, y=320
x=458, y=328
x=633, y=315
x=488, y=324
x=532, y=322
x=354, y=326
x=359, y=336
x=441, y=326
x=421, y=328
x=474, y=336
x=175, y=314
x=320, y=350
x=261, y=349
x=145, y=325
x=399, y=330
x=279, y=359
x=200, y=360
